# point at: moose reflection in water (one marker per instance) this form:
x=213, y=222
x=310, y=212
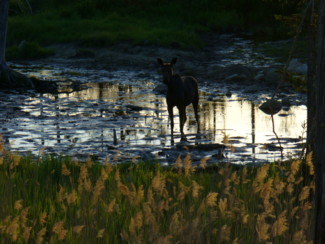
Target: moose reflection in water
x=181, y=92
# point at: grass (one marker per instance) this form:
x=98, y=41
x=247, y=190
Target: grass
x=28, y=50
x=51, y=199
x=104, y=22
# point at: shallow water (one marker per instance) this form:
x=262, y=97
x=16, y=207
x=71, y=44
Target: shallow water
x=119, y=114
x=84, y=122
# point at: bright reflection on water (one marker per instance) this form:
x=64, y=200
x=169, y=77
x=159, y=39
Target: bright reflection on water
x=84, y=122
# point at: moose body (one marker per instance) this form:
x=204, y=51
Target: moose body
x=181, y=92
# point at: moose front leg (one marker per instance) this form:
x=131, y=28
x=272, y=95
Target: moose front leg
x=182, y=120
x=171, y=117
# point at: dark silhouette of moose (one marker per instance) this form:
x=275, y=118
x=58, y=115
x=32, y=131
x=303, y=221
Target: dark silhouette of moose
x=181, y=91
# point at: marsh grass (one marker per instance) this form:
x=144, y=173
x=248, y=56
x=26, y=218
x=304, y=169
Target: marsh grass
x=51, y=199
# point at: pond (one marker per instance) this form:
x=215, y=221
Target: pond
x=117, y=115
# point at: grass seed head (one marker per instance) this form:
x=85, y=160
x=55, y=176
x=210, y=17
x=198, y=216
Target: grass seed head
x=40, y=236
x=100, y=233
x=295, y=166
x=42, y=218
x=211, y=199
x=18, y=205
x=309, y=162
x=280, y=225
x=225, y=233
x=65, y=171
x=78, y=228
x=13, y=228
x=262, y=228
x=304, y=194
x=58, y=228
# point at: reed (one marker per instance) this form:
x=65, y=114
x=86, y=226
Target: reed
x=57, y=199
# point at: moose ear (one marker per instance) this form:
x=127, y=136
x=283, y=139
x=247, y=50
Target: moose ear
x=159, y=60
x=174, y=60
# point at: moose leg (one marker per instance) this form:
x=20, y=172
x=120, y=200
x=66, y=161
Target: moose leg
x=171, y=117
x=195, y=107
x=182, y=118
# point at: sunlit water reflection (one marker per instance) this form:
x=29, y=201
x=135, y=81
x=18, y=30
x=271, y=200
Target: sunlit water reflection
x=118, y=113
x=84, y=122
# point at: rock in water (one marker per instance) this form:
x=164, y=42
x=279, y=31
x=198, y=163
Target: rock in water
x=271, y=107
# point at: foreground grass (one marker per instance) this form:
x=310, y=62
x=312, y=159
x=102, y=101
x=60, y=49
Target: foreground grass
x=53, y=199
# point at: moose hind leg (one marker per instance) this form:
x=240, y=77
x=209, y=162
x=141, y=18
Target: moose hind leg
x=171, y=117
x=196, y=112
x=182, y=119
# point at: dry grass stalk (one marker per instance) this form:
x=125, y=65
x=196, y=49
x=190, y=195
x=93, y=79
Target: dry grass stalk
x=78, y=228
x=304, y=194
x=295, y=166
x=100, y=233
x=203, y=162
x=187, y=164
x=260, y=176
x=124, y=189
x=72, y=197
x=18, y=205
x=42, y=218
x=65, y=171
x=99, y=187
x=40, y=236
x=280, y=225
x=223, y=205
x=196, y=188
x=179, y=162
x=58, y=229
x=309, y=162
x=211, y=199
x=262, y=228
x=110, y=207
x=183, y=190
x=158, y=183
x=12, y=228
x=225, y=233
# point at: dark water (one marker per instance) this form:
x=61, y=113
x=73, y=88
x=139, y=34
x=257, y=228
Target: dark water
x=118, y=113
x=84, y=122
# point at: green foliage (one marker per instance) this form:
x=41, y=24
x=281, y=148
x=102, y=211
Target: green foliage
x=29, y=50
x=163, y=22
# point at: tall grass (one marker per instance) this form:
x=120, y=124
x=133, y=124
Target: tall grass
x=53, y=199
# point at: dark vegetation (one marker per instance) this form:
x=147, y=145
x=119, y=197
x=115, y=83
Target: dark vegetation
x=177, y=23
x=57, y=199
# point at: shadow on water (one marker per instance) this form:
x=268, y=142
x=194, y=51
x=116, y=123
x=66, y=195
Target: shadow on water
x=126, y=117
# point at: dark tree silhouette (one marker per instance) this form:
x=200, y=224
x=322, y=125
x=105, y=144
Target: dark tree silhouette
x=319, y=140
x=8, y=78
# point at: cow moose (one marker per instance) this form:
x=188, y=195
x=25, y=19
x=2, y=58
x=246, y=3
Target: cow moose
x=181, y=92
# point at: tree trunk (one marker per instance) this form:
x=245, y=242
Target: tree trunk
x=8, y=77
x=4, y=6
x=311, y=97
x=319, y=148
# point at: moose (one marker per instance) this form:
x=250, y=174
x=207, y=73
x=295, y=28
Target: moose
x=181, y=91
